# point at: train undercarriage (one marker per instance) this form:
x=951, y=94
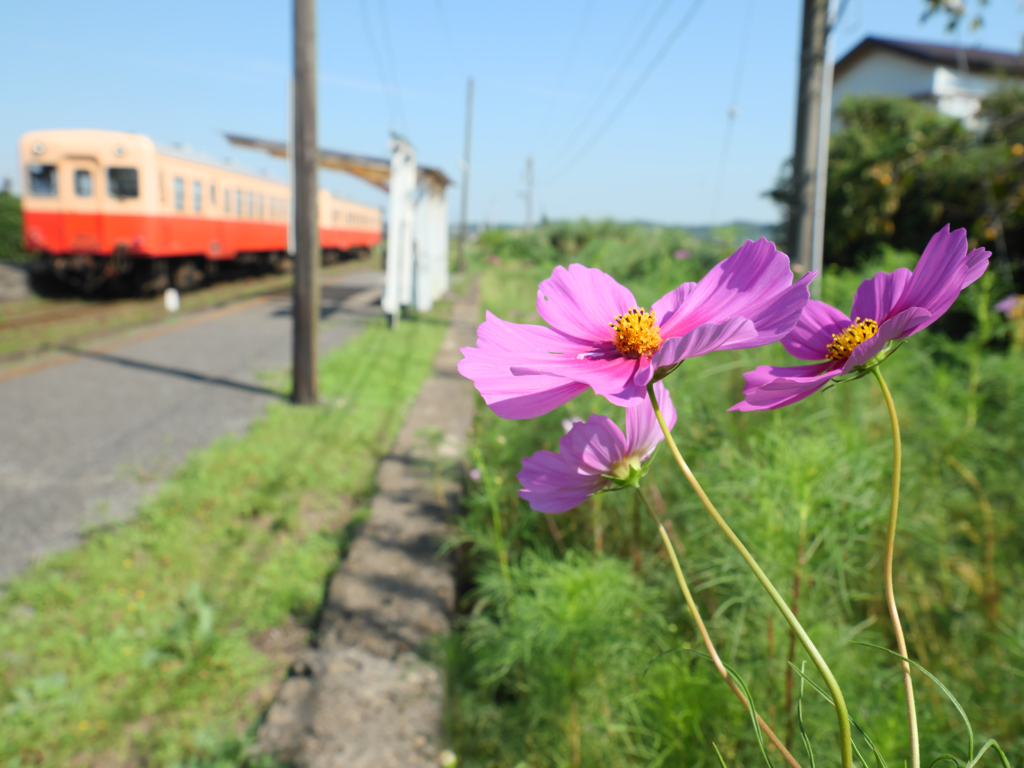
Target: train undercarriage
x=121, y=273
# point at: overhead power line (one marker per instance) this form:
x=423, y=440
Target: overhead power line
x=733, y=111
x=382, y=9
x=449, y=40
x=634, y=88
x=614, y=80
x=378, y=63
x=569, y=60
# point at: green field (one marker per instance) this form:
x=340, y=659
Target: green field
x=159, y=642
x=583, y=656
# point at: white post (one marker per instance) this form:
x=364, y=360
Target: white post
x=440, y=216
x=824, y=135
x=398, y=257
x=424, y=249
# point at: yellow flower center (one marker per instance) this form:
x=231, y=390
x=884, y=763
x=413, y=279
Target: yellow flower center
x=844, y=343
x=636, y=333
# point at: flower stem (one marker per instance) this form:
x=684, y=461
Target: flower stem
x=845, y=737
x=671, y=550
x=890, y=546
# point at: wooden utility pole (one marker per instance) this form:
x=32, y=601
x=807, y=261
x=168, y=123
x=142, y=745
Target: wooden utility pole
x=305, y=293
x=808, y=123
x=467, y=148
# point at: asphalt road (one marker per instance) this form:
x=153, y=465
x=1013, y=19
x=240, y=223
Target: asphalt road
x=83, y=442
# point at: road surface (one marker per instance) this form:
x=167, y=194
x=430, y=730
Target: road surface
x=85, y=439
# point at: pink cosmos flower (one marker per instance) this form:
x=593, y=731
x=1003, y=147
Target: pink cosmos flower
x=886, y=307
x=599, y=338
x=1012, y=306
x=594, y=456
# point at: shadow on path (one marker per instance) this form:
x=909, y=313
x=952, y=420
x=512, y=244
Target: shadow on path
x=191, y=375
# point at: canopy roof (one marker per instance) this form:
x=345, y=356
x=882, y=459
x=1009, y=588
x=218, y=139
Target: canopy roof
x=375, y=170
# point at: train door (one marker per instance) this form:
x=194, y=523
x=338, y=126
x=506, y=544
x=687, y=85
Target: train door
x=81, y=202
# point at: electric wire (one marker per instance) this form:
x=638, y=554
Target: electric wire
x=389, y=52
x=634, y=88
x=733, y=111
x=566, y=69
x=614, y=80
x=378, y=63
x=449, y=40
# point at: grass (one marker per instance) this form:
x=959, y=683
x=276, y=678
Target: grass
x=563, y=664
x=91, y=318
x=147, y=645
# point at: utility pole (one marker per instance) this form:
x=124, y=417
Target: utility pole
x=467, y=148
x=808, y=124
x=528, y=192
x=305, y=292
x=824, y=137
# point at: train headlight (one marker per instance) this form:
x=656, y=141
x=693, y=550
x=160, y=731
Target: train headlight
x=38, y=148
x=118, y=151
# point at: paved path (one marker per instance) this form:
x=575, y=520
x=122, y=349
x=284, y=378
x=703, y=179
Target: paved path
x=82, y=442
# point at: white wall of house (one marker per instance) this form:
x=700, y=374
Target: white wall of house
x=952, y=91
x=884, y=73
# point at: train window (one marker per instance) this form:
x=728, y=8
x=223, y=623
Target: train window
x=227, y=201
x=179, y=194
x=123, y=182
x=197, y=197
x=83, y=183
x=250, y=205
x=260, y=205
x=42, y=180
x=238, y=203
x=213, y=196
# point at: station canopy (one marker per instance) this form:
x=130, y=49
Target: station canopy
x=375, y=170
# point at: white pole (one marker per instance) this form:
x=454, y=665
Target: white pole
x=824, y=134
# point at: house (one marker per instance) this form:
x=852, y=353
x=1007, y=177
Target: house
x=954, y=80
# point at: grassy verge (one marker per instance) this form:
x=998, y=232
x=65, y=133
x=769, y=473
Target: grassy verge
x=151, y=644
x=89, y=319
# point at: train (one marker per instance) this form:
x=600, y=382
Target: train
x=106, y=207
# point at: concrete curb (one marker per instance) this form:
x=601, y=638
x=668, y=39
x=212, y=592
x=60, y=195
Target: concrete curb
x=363, y=697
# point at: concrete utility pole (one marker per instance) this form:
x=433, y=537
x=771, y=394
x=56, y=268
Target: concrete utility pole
x=467, y=148
x=305, y=293
x=808, y=123
x=528, y=192
x=824, y=136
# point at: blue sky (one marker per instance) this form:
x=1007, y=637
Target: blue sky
x=189, y=71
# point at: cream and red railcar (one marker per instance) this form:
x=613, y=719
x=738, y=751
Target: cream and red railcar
x=101, y=205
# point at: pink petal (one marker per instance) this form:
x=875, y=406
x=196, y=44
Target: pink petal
x=976, y=263
x=511, y=397
x=943, y=271
x=746, y=283
x=551, y=484
x=581, y=302
x=594, y=445
x=810, y=338
x=515, y=397
x=670, y=302
x=898, y=327
x=877, y=296
x=643, y=432
x=611, y=377
x=768, y=387
x=730, y=334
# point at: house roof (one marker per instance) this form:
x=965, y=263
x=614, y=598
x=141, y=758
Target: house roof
x=375, y=170
x=975, y=59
